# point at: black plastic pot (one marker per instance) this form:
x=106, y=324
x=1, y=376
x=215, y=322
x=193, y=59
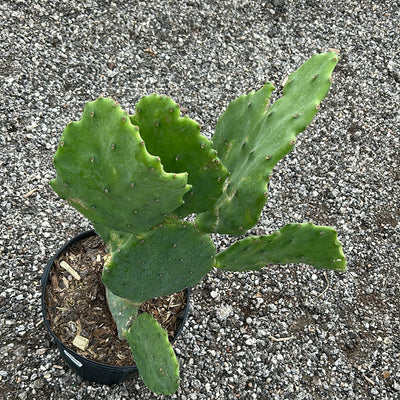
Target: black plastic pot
x=85, y=368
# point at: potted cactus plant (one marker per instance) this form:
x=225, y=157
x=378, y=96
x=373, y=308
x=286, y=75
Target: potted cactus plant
x=136, y=178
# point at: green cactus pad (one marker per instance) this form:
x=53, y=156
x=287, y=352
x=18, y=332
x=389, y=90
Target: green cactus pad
x=177, y=141
x=251, y=139
x=154, y=355
x=295, y=243
x=106, y=173
x=122, y=310
x=161, y=262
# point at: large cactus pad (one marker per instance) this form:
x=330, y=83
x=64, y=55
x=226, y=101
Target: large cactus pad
x=177, y=141
x=165, y=260
x=295, y=243
x=106, y=173
x=251, y=138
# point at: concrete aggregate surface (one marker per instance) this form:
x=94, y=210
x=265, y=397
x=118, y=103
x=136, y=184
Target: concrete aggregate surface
x=285, y=332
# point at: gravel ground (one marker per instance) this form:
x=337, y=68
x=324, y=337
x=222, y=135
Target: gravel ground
x=286, y=332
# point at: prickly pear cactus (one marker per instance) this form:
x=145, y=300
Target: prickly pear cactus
x=251, y=138
x=135, y=178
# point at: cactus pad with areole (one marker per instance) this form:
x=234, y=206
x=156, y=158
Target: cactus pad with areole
x=153, y=354
x=251, y=138
x=160, y=262
x=295, y=243
x=181, y=148
x=106, y=173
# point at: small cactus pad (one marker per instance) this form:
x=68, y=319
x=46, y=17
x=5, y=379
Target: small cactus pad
x=251, y=139
x=153, y=354
x=165, y=260
x=181, y=148
x=122, y=310
x=102, y=162
x=295, y=243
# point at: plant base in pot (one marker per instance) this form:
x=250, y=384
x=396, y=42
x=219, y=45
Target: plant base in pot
x=76, y=314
